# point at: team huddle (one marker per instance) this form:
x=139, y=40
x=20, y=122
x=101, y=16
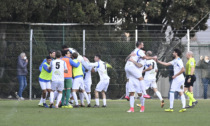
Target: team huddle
x=65, y=72
x=138, y=63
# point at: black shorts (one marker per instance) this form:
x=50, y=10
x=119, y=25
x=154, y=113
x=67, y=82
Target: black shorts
x=193, y=79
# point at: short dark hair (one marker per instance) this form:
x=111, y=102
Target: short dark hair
x=138, y=43
x=64, y=52
x=75, y=55
x=179, y=53
x=64, y=46
x=99, y=56
x=48, y=57
x=51, y=51
x=58, y=54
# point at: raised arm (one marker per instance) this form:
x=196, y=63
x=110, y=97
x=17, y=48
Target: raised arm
x=139, y=65
x=164, y=63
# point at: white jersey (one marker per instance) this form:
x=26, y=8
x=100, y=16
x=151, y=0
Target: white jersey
x=178, y=65
x=139, y=54
x=58, y=66
x=101, y=68
x=151, y=74
x=143, y=62
x=87, y=78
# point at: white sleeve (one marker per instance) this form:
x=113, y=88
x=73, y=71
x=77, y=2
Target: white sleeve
x=96, y=64
x=140, y=53
x=180, y=63
x=172, y=62
x=51, y=64
x=155, y=67
x=95, y=69
x=65, y=67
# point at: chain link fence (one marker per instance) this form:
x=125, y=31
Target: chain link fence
x=111, y=42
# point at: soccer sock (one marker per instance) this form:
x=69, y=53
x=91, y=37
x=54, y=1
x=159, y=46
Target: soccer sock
x=51, y=97
x=193, y=99
x=183, y=101
x=72, y=101
x=67, y=96
x=159, y=95
x=104, y=102
x=97, y=101
x=75, y=97
x=131, y=101
x=58, y=99
x=44, y=100
x=142, y=100
x=89, y=95
x=190, y=97
x=41, y=100
x=142, y=85
x=126, y=91
x=55, y=95
x=63, y=97
x=46, y=95
x=81, y=97
x=171, y=99
x=86, y=97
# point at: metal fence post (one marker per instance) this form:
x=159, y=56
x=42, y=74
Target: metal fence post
x=188, y=40
x=63, y=35
x=83, y=42
x=136, y=36
x=30, y=79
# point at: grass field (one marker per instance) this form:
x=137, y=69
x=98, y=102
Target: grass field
x=27, y=113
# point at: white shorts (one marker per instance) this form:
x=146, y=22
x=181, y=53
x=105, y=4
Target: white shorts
x=78, y=83
x=102, y=85
x=45, y=85
x=134, y=85
x=57, y=85
x=87, y=86
x=177, y=85
x=132, y=71
x=150, y=84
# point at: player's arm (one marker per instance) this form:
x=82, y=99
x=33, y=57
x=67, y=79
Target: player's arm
x=65, y=68
x=164, y=63
x=96, y=64
x=50, y=67
x=148, y=69
x=129, y=56
x=40, y=67
x=180, y=72
x=136, y=63
x=73, y=63
x=46, y=68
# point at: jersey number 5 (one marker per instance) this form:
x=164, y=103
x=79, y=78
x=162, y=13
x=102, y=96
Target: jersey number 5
x=57, y=65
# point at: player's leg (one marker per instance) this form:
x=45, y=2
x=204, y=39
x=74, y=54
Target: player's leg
x=154, y=86
x=180, y=89
x=98, y=89
x=88, y=90
x=96, y=99
x=82, y=87
x=171, y=98
x=75, y=88
x=132, y=90
x=53, y=86
x=60, y=88
x=81, y=97
x=142, y=101
x=105, y=84
x=142, y=85
x=126, y=91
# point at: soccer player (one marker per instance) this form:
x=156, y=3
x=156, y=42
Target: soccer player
x=150, y=76
x=52, y=55
x=78, y=82
x=58, y=68
x=45, y=80
x=178, y=80
x=131, y=69
x=190, y=79
x=102, y=86
x=68, y=78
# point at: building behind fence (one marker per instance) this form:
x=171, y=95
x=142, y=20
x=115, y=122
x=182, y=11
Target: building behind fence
x=109, y=41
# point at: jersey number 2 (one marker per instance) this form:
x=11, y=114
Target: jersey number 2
x=57, y=65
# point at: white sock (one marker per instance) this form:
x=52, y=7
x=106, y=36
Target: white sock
x=142, y=100
x=58, y=99
x=97, y=101
x=55, y=95
x=44, y=100
x=183, y=101
x=89, y=95
x=86, y=97
x=41, y=100
x=171, y=100
x=126, y=90
x=81, y=97
x=51, y=97
x=46, y=95
x=159, y=95
x=104, y=102
x=72, y=101
x=142, y=85
x=131, y=101
x=75, y=97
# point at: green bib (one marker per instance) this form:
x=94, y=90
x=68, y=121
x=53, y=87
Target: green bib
x=77, y=71
x=44, y=74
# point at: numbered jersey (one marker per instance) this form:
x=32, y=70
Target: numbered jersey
x=151, y=74
x=58, y=66
x=101, y=68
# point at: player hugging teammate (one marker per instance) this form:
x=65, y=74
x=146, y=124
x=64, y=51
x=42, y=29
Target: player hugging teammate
x=64, y=73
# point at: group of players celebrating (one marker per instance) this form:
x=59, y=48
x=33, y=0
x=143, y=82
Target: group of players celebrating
x=138, y=63
x=65, y=72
